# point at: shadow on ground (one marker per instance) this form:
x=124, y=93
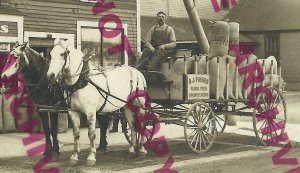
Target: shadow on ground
x=117, y=159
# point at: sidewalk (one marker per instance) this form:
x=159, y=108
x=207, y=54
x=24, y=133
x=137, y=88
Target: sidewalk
x=11, y=143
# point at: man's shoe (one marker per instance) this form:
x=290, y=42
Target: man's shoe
x=113, y=131
x=102, y=150
x=102, y=146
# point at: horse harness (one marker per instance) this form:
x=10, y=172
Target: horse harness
x=84, y=80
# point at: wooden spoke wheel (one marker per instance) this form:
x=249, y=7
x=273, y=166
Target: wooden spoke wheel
x=148, y=127
x=221, y=121
x=200, y=127
x=270, y=119
x=126, y=130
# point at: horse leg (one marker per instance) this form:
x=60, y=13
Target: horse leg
x=91, y=117
x=141, y=148
x=103, y=122
x=45, y=122
x=54, y=130
x=130, y=119
x=75, y=117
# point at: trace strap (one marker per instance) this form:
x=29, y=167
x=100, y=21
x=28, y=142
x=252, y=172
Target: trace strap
x=105, y=92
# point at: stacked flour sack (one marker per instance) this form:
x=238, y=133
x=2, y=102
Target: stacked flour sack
x=225, y=82
x=216, y=62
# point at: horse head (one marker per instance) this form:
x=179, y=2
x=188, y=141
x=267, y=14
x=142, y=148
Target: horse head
x=59, y=59
x=61, y=56
x=15, y=60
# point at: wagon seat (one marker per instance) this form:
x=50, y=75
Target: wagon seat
x=174, y=65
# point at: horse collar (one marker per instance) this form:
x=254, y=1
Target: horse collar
x=82, y=80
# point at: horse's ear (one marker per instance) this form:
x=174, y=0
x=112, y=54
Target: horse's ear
x=57, y=41
x=24, y=46
x=17, y=44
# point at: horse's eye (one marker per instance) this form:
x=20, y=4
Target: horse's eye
x=62, y=54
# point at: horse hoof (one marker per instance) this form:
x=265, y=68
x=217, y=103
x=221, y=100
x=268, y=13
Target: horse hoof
x=90, y=163
x=131, y=155
x=54, y=157
x=73, y=162
x=142, y=155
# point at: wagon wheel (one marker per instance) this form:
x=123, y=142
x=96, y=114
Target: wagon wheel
x=148, y=126
x=221, y=121
x=126, y=130
x=200, y=127
x=270, y=126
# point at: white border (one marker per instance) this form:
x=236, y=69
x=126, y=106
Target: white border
x=33, y=34
x=13, y=18
x=95, y=24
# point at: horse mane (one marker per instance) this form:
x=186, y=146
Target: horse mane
x=34, y=70
x=32, y=51
x=33, y=74
x=34, y=59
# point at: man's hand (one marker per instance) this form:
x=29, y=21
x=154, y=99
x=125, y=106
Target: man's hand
x=161, y=47
x=152, y=49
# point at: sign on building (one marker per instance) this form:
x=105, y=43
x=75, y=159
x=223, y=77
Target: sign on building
x=9, y=29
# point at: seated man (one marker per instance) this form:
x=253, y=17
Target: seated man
x=160, y=43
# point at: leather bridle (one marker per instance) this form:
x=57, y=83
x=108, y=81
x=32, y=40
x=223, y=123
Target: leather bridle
x=44, y=72
x=66, y=57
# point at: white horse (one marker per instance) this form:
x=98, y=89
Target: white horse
x=120, y=82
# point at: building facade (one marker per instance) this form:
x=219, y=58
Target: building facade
x=178, y=19
x=176, y=8
x=40, y=22
x=273, y=25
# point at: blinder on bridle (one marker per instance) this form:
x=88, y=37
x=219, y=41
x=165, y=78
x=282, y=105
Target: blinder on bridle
x=15, y=53
x=18, y=55
x=66, y=55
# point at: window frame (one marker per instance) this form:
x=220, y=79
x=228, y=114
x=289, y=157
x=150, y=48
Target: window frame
x=94, y=24
x=272, y=44
x=13, y=18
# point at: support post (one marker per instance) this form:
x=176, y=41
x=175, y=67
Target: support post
x=227, y=76
x=218, y=78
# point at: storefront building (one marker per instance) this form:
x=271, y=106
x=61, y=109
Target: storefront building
x=39, y=22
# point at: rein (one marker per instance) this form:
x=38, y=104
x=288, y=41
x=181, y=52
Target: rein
x=83, y=81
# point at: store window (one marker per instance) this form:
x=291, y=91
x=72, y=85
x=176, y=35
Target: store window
x=94, y=45
x=272, y=47
x=11, y=31
x=44, y=41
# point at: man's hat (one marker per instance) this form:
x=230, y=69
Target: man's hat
x=161, y=12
